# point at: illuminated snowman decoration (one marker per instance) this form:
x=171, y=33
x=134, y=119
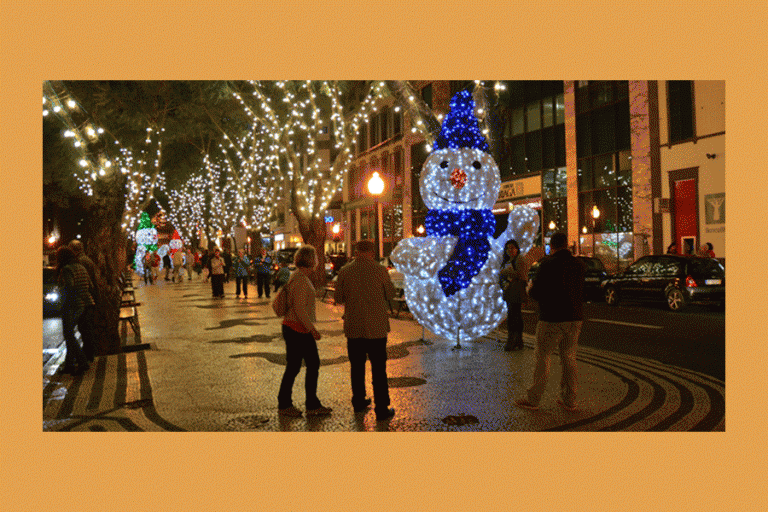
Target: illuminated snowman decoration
x=146, y=240
x=452, y=274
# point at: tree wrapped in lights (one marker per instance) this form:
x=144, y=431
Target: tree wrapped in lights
x=297, y=118
x=452, y=274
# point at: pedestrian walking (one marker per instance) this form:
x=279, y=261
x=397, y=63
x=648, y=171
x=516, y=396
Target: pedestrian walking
x=178, y=262
x=167, y=265
x=263, y=263
x=365, y=288
x=559, y=289
x=74, y=282
x=148, y=267
x=240, y=268
x=282, y=275
x=514, y=275
x=86, y=324
x=301, y=337
x=216, y=266
x=155, y=266
x=189, y=261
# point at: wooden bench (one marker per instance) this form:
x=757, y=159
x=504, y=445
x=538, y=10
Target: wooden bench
x=129, y=314
x=398, y=299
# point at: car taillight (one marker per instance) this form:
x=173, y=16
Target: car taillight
x=690, y=282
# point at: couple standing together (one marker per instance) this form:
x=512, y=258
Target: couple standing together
x=365, y=289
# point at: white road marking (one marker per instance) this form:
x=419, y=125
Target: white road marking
x=625, y=323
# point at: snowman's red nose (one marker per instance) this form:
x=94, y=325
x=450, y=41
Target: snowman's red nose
x=458, y=178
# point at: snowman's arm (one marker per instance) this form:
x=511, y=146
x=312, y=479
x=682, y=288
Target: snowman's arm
x=522, y=225
x=422, y=257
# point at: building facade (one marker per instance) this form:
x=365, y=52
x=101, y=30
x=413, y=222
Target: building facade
x=623, y=167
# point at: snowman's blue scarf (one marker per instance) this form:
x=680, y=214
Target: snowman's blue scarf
x=473, y=227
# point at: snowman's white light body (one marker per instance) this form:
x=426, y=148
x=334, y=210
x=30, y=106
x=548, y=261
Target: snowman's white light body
x=453, y=180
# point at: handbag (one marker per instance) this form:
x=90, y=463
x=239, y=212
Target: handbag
x=280, y=303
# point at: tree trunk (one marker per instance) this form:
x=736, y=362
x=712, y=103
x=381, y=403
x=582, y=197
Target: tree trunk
x=313, y=232
x=105, y=245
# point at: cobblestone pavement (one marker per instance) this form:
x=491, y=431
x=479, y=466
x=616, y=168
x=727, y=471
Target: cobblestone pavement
x=205, y=364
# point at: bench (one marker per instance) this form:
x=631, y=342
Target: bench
x=398, y=299
x=129, y=314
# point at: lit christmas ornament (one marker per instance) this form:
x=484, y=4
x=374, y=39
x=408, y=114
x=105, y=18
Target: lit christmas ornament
x=146, y=240
x=175, y=243
x=452, y=274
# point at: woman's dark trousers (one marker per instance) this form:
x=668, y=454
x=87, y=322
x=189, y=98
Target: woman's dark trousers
x=299, y=346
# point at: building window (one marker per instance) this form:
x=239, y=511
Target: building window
x=373, y=126
x=426, y=95
x=384, y=124
x=419, y=155
x=362, y=138
x=554, y=201
x=680, y=107
x=397, y=121
x=533, y=117
x=602, y=119
x=605, y=182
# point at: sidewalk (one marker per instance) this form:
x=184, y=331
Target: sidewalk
x=216, y=364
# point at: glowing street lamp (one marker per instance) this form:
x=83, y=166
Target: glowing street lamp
x=376, y=188
x=595, y=216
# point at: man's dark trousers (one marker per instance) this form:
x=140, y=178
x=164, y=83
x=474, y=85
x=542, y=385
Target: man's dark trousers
x=360, y=349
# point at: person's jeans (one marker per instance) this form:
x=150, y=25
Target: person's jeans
x=262, y=284
x=87, y=328
x=514, y=319
x=244, y=281
x=75, y=356
x=359, y=350
x=564, y=336
x=299, y=346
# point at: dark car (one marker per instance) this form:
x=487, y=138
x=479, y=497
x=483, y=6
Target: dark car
x=51, y=292
x=678, y=280
x=593, y=278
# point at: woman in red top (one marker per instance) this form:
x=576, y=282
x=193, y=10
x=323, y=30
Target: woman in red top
x=301, y=337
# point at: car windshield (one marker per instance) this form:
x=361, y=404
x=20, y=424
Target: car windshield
x=706, y=266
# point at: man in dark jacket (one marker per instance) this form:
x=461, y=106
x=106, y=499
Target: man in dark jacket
x=558, y=286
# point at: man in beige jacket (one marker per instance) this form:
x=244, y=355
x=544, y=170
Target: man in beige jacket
x=365, y=289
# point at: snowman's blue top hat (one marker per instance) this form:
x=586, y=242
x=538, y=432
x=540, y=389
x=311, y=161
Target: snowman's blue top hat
x=460, y=128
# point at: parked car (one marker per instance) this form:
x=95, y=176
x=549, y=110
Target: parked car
x=51, y=292
x=592, y=282
x=678, y=280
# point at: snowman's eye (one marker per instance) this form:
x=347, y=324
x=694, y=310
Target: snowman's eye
x=476, y=164
x=444, y=164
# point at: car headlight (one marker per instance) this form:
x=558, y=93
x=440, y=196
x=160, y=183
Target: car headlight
x=52, y=297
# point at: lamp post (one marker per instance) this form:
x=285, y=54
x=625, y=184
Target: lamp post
x=376, y=187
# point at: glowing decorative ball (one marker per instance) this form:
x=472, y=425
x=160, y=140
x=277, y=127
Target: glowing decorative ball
x=452, y=274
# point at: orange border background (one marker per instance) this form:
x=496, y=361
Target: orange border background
x=415, y=39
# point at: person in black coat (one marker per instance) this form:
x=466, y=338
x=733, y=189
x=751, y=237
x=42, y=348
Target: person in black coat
x=559, y=289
